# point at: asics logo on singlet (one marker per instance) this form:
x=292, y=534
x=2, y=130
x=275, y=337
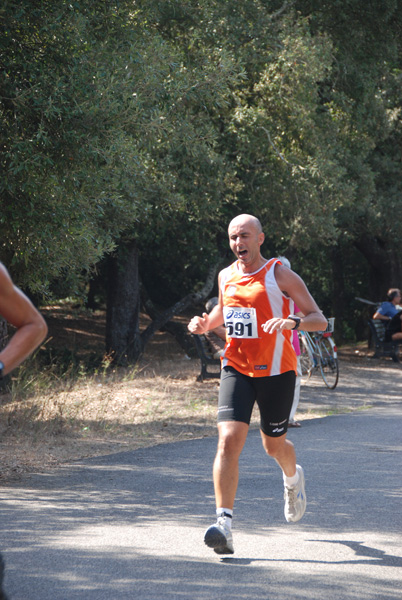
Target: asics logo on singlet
x=237, y=314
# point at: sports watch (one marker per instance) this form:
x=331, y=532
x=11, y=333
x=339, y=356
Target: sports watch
x=1, y=370
x=296, y=320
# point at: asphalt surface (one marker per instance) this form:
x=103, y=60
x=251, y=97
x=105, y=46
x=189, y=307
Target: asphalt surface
x=131, y=525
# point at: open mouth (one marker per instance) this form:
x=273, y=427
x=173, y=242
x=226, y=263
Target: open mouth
x=242, y=253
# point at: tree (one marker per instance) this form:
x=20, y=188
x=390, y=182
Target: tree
x=56, y=197
x=141, y=129
x=366, y=72
x=105, y=125
x=276, y=145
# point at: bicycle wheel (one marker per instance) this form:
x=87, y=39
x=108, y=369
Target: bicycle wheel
x=329, y=365
x=306, y=360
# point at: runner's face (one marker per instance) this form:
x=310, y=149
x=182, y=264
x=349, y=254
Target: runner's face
x=245, y=241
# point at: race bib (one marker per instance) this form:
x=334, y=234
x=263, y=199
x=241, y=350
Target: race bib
x=240, y=322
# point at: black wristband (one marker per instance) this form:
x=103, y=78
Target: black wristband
x=296, y=320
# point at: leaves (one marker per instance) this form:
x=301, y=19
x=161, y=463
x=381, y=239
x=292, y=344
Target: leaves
x=159, y=121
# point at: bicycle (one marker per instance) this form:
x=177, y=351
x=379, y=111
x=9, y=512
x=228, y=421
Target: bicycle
x=318, y=351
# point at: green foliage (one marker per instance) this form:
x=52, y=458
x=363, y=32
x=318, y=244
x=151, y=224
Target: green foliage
x=159, y=121
x=53, y=192
x=102, y=123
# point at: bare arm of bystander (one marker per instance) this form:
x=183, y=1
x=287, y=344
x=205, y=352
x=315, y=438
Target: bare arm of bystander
x=31, y=328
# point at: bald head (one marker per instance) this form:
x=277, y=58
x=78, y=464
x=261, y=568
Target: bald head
x=246, y=220
x=245, y=240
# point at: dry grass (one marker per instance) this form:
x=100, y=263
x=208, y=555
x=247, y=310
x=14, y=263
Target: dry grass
x=61, y=413
x=156, y=402
x=52, y=418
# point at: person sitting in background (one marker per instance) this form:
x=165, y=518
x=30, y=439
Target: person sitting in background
x=394, y=328
x=216, y=337
x=389, y=308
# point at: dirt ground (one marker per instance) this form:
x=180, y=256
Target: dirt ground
x=157, y=401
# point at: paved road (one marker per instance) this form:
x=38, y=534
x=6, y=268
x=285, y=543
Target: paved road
x=130, y=525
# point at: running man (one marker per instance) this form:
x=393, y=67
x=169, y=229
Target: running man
x=256, y=299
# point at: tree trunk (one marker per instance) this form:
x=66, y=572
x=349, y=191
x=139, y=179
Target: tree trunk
x=123, y=339
x=385, y=266
x=182, y=337
x=124, y=342
x=161, y=320
x=338, y=291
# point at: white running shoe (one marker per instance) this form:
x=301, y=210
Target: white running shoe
x=219, y=537
x=295, y=499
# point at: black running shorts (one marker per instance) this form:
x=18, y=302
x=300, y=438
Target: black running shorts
x=274, y=396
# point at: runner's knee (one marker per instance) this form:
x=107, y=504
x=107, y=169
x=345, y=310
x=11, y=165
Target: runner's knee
x=273, y=446
x=231, y=438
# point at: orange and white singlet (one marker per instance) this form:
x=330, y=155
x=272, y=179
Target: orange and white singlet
x=249, y=300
